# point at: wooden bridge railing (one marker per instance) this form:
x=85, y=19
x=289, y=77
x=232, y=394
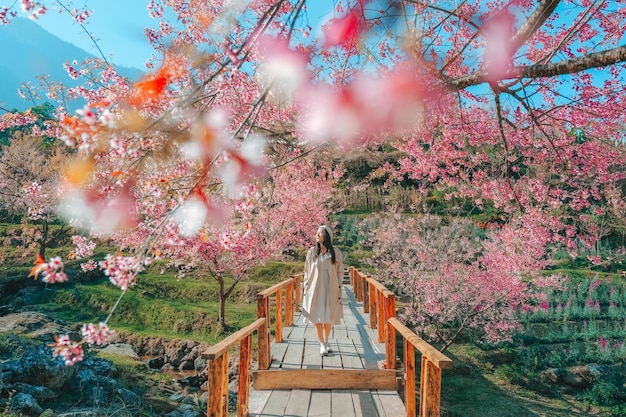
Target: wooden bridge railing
x=292, y=302
x=217, y=356
x=377, y=300
x=380, y=303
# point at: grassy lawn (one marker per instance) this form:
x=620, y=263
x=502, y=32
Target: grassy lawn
x=476, y=387
x=161, y=305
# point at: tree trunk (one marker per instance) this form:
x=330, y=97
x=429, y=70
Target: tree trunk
x=223, y=296
x=43, y=243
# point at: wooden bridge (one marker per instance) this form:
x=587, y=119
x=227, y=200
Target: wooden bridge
x=371, y=370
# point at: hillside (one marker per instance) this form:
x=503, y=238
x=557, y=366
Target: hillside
x=30, y=51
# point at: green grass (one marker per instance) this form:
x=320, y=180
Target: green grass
x=161, y=305
x=480, y=385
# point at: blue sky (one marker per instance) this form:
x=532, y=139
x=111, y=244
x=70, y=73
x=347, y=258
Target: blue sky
x=118, y=26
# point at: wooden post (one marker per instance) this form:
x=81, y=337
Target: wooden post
x=366, y=295
x=409, y=379
x=352, y=270
x=263, y=308
x=390, y=333
x=390, y=305
x=430, y=389
x=278, y=336
x=298, y=292
x=373, y=307
x=360, y=282
x=215, y=381
x=224, y=384
x=380, y=310
x=245, y=360
x=390, y=345
x=289, y=304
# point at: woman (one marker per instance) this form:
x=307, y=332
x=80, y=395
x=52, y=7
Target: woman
x=323, y=274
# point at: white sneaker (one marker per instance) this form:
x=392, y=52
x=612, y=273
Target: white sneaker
x=327, y=346
x=323, y=350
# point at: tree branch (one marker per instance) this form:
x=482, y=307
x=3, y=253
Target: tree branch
x=534, y=22
x=572, y=66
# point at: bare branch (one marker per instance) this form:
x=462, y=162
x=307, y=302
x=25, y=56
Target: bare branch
x=572, y=66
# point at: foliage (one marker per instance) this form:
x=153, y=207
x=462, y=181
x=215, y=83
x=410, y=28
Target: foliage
x=457, y=282
x=29, y=175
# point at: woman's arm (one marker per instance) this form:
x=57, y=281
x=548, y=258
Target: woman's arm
x=339, y=266
x=307, y=268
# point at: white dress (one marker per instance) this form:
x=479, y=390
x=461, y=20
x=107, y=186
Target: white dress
x=321, y=302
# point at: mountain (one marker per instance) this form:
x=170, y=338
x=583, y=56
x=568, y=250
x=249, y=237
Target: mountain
x=29, y=51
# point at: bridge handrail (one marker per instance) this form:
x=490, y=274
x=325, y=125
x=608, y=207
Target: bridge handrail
x=292, y=290
x=217, y=355
x=377, y=300
x=380, y=303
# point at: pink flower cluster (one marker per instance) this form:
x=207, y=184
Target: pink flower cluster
x=89, y=266
x=71, y=70
x=80, y=16
x=96, y=335
x=121, y=270
x=5, y=15
x=83, y=247
x=34, y=189
x=71, y=352
x=52, y=272
x=33, y=8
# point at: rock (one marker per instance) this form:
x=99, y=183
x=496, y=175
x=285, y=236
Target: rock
x=186, y=366
x=193, y=381
x=155, y=363
x=188, y=411
x=176, y=397
x=234, y=386
x=25, y=404
x=595, y=372
x=573, y=378
x=32, y=324
x=554, y=375
x=175, y=353
x=94, y=389
x=200, y=364
x=39, y=393
x=167, y=368
x=37, y=367
x=192, y=354
x=99, y=366
x=98, y=390
x=129, y=399
x=122, y=349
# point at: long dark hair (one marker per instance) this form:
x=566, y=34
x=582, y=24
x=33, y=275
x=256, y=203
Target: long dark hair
x=328, y=244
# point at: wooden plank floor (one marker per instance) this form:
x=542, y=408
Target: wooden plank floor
x=354, y=347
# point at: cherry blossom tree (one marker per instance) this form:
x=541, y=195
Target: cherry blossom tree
x=459, y=283
x=275, y=214
x=29, y=176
